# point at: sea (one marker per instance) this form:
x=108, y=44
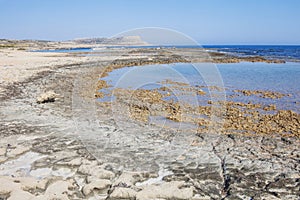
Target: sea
x=285, y=52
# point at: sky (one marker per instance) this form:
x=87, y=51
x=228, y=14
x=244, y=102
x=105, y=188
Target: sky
x=206, y=21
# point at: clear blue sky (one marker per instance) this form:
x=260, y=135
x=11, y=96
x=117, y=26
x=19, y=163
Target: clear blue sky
x=207, y=21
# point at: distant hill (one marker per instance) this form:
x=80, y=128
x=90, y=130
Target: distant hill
x=126, y=40
x=76, y=43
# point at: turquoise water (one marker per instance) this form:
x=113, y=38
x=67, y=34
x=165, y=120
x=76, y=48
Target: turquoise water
x=283, y=78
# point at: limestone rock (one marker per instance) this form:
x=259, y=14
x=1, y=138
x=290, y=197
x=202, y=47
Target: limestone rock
x=29, y=183
x=101, y=185
x=96, y=171
x=57, y=190
x=128, y=179
x=2, y=151
x=169, y=190
x=7, y=186
x=47, y=97
x=122, y=193
x=20, y=194
x=17, y=150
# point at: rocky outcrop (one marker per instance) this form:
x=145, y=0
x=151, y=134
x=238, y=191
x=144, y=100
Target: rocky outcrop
x=123, y=40
x=47, y=97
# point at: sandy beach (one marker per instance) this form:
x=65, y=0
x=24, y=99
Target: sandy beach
x=57, y=142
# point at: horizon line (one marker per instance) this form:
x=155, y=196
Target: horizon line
x=207, y=44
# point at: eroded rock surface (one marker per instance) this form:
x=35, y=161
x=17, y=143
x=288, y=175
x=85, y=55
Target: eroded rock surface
x=45, y=155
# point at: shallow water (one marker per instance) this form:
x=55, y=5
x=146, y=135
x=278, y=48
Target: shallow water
x=283, y=78
x=20, y=166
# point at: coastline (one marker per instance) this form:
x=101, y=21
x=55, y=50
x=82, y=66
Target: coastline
x=228, y=166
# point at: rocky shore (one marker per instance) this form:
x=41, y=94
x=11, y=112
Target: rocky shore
x=58, y=143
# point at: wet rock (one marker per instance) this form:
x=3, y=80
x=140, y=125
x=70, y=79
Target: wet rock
x=270, y=107
x=174, y=112
x=99, y=94
x=261, y=93
x=201, y=92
